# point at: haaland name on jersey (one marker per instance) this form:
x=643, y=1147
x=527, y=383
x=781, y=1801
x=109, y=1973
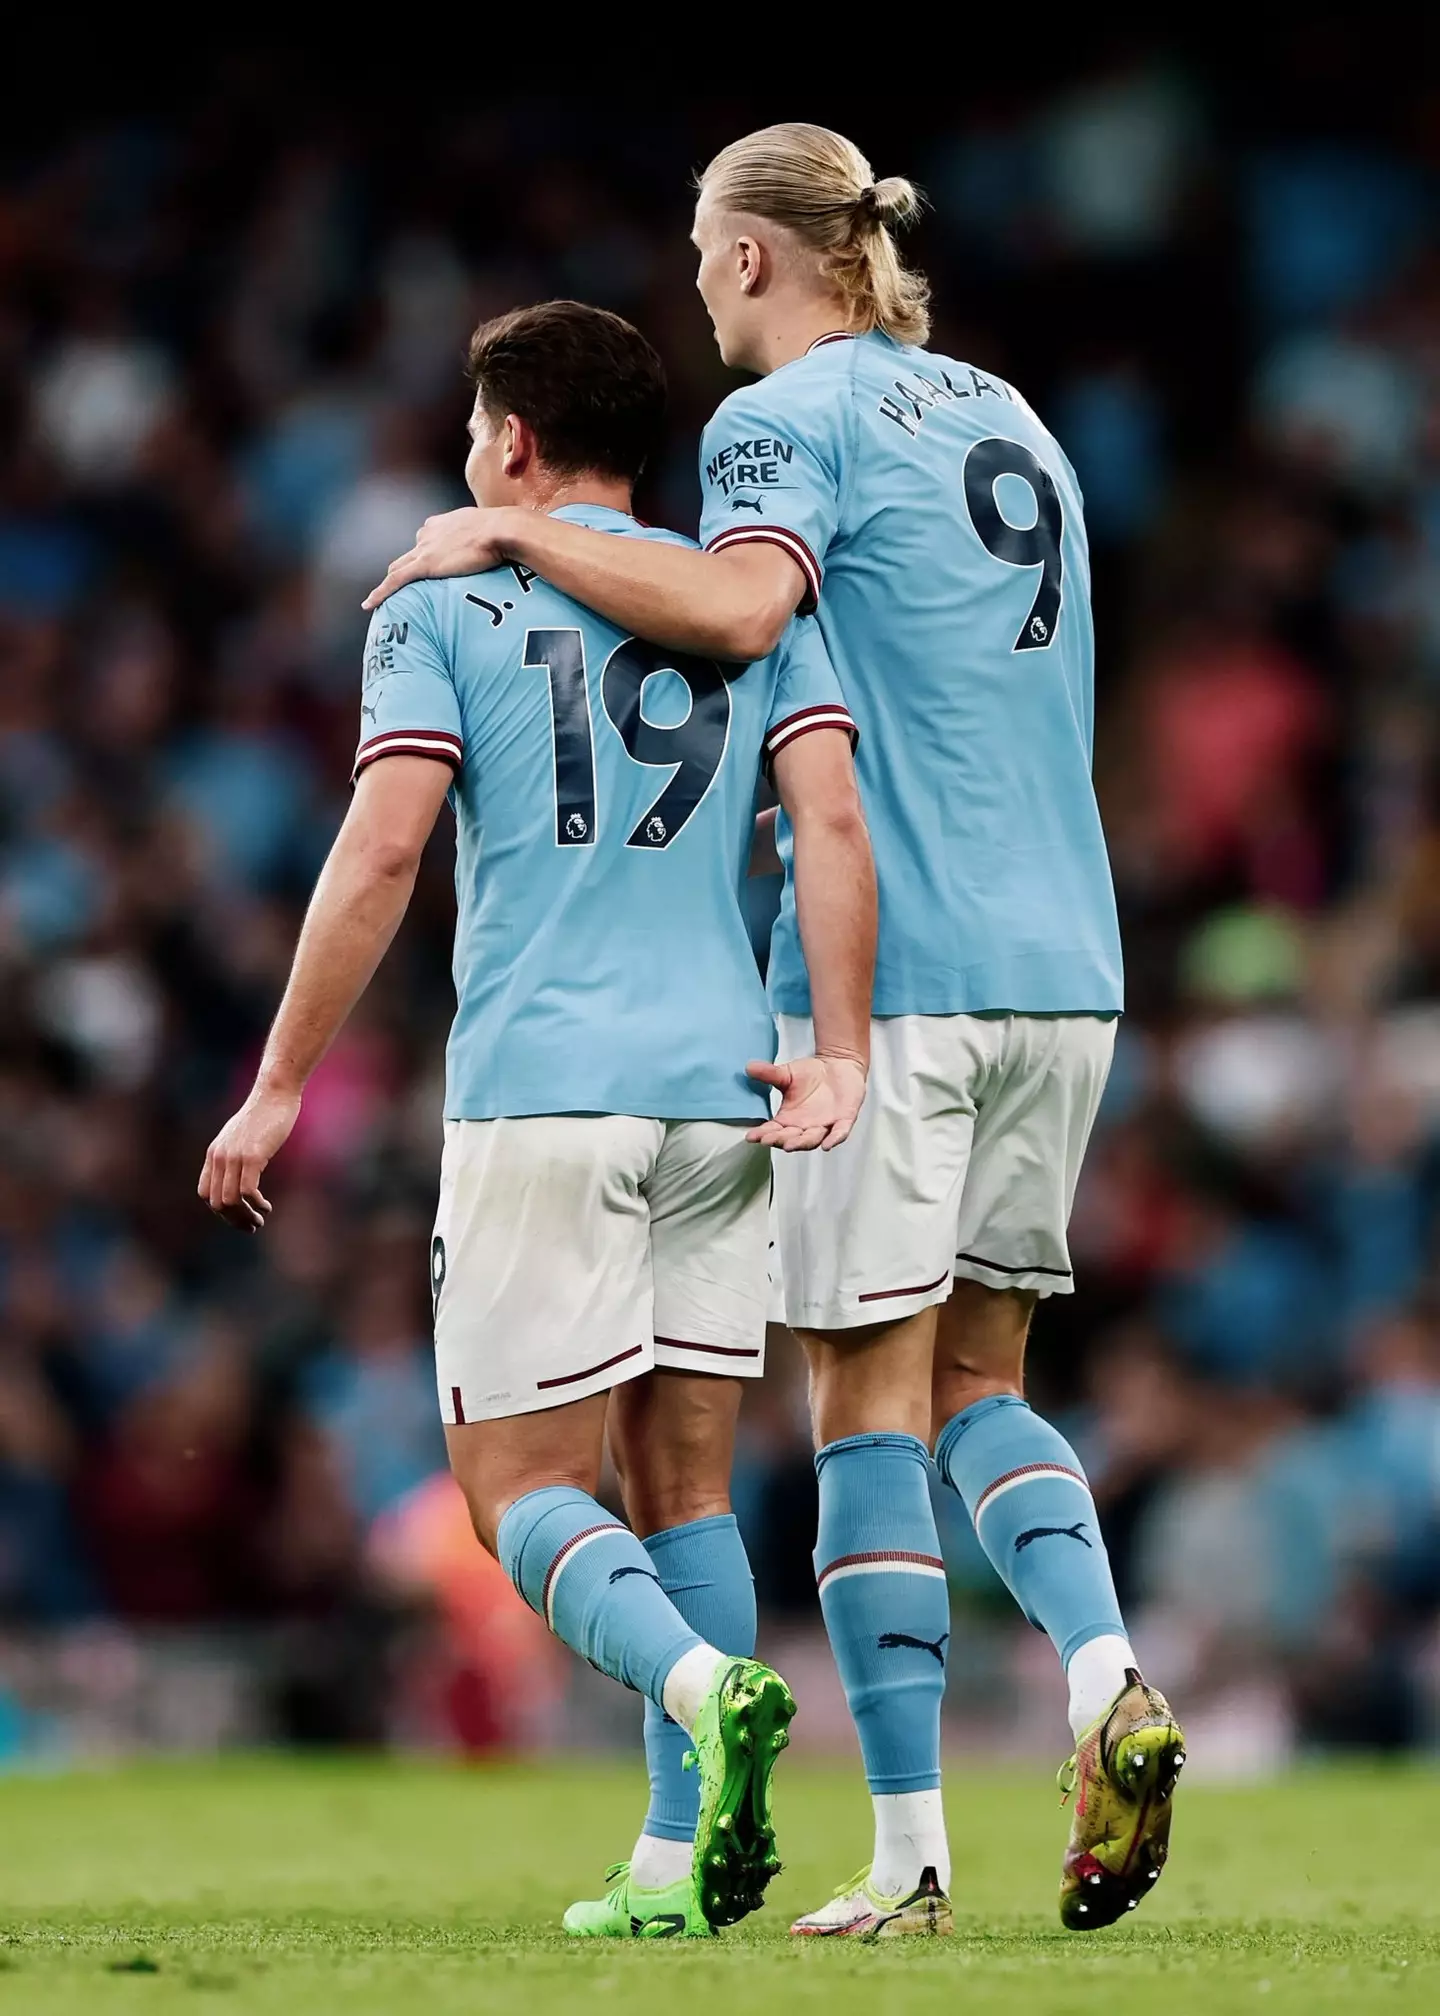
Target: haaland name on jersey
x=604, y=795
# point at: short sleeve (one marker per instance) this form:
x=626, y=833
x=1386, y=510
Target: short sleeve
x=408, y=706
x=770, y=475
x=807, y=692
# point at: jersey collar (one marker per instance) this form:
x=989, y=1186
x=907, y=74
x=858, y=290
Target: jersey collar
x=599, y=517
x=834, y=336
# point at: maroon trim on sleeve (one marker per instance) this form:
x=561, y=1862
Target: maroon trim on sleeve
x=804, y=722
x=788, y=542
x=437, y=742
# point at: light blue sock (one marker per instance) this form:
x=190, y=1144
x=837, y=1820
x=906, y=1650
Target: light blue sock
x=885, y=1601
x=1025, y=1490
x=595, y=1586
x=705, y=1572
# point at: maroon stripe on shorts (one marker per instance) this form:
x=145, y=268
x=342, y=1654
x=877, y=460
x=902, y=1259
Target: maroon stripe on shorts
x=888, y=1294
x=573, y=1378
x=712, y=1350
x=459, y=1405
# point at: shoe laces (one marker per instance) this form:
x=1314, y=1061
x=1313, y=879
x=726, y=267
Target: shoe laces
x=855, y=1882
x=1068, y=1776
x=616, y=1877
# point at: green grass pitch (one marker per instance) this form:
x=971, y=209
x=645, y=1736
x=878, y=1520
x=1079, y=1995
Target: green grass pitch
x=364, y=1887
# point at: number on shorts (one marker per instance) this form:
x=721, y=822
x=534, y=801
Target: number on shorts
x=561, y=653
x=1036, y=545
x=695, y=747
x=692, y=750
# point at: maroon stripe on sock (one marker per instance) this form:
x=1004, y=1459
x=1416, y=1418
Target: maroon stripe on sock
x=889, y=1294
x=459, y=1405
x=601, y=1526
x=887, y=1554
x=1027, y=1470
x=573, y=1378
x=713, y=1350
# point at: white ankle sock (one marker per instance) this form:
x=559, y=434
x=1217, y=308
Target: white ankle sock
x=689, y=1681
x=1096, y=1674
x=909, y=1838
x=657, y=1863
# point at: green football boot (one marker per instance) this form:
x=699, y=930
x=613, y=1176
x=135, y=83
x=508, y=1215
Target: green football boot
x=1123, y=1776
x=742, y=1727
x=628, y=1912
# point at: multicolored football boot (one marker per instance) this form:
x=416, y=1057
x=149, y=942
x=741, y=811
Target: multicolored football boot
x=1123, y=1777
x=628, y=1912
x=858, y=1911
x=742, y=1727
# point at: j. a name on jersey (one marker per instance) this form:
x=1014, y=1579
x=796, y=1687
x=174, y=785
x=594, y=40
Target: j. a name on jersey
x=749, y=465
x=498, y=611
x=921, y=395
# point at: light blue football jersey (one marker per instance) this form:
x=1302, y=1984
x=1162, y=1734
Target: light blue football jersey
x=603, y=796
x=940, y=531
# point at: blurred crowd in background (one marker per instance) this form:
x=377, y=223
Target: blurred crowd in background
x=231, y=332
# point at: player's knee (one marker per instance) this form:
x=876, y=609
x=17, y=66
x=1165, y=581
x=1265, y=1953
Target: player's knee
x=672, y=1437
x=656, y=1505
x=957, y=1387
x=672, y=1484
x=870, y=1381
x=489, y=1497
x=981, y=1338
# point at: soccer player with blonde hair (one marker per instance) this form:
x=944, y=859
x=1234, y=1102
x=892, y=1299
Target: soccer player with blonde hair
x=918, y=506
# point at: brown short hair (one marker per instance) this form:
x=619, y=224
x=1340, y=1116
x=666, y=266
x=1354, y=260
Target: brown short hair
x=587, y=382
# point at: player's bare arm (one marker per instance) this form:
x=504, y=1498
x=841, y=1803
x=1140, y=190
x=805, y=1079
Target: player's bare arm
x=359, y=900
x=764, y=853
x=730, y=605
x=836, y=906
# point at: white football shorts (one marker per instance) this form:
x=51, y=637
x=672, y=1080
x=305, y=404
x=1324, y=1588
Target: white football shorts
x=572, y=1252
x=964, y=1162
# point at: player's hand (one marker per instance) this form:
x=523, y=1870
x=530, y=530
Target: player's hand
x=822, y=1100
x=455, y=542
x=236, y=1159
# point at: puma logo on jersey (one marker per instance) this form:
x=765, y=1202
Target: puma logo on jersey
x=618, y=1574
x=889, y=1640
x=371, y=711
x=1075, y=1532
x=747, y=503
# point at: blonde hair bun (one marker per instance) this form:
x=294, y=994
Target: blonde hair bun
x=893, y=202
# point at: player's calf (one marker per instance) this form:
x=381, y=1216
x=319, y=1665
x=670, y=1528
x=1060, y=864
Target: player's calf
x=597, y=1588
x=886, y=1607
x=672, y=1436
x=1027, y=1493
x=1025, y=1490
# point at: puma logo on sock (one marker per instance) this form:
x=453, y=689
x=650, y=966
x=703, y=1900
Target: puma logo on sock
x=1075, y=1532
x=888, y=1641
x=648, y=1573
